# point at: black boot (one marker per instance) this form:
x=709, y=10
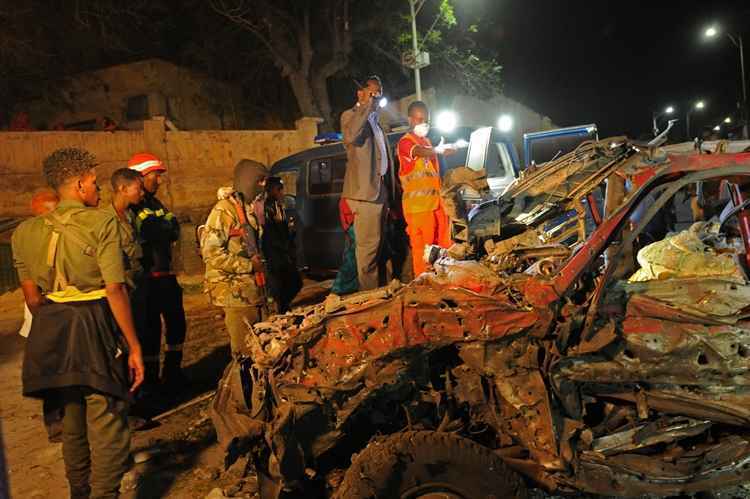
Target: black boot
x=172, y=373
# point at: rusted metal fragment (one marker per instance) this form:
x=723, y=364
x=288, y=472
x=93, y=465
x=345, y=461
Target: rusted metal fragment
x=660, y=351
x=723, y=464
x=536, y=472
x=646, y=435
x=603, y=337
x=716, y=299
x=718, y=404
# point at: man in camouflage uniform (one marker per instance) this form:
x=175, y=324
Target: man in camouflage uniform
x=231, y=266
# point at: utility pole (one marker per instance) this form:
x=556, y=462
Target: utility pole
x=415, y=47
x=738, y=42
x=714, y=31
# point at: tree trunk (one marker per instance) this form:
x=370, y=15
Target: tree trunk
x=319, y=86
x=304, y=94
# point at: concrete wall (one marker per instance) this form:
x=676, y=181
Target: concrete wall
x=198, y=162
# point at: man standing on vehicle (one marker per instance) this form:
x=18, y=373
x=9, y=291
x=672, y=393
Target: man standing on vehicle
x=161, y=295
x=419, y=173
x=368, y=158
x=82, y=346
x=230, y=250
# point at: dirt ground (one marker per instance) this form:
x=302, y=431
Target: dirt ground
x=184, y=460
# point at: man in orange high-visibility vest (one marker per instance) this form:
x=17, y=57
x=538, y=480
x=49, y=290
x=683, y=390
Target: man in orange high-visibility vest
x=419, y=173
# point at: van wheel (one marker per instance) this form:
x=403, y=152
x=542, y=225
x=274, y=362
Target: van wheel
x=427, y=464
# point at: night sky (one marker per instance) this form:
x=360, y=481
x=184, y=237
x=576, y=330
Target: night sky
x=612, y=63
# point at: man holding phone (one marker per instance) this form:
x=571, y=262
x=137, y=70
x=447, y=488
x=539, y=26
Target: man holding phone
x=368, y=160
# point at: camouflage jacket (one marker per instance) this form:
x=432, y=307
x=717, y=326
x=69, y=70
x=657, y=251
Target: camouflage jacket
x=229, y=279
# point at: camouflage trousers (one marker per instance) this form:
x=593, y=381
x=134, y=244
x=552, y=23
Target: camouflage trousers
x=234, y=319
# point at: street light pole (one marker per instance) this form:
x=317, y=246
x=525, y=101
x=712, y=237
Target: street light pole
x=739, y=44
x=711, y=32
x=699, y=106
x=415, y=47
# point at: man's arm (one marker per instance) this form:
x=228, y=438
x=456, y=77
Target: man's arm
x=353, y=124
x=214, y=247
x=110, y=262
x=119, y=303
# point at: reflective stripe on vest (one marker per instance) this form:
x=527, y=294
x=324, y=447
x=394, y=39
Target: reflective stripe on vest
x=421, y=187
x=147, y=212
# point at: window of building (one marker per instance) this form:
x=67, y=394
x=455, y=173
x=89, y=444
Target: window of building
x=137, y=109
x=327, y=176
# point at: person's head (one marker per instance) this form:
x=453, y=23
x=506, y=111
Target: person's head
x=71, y=173
x=249, y=178
x=373, y=87
x=44, y=201
x=151, y=169
x=275, y=188
x=419, y=118
x=127, y=185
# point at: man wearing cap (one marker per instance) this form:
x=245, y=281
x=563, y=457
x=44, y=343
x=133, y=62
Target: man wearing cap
x=284, y=281
x=160, y=295
x=82, y=349
x=232, y=256
x=367, y=166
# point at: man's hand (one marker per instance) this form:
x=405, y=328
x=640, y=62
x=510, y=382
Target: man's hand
x=257, y=262
x=34, y=298
x=135, y=365
x=444, y=149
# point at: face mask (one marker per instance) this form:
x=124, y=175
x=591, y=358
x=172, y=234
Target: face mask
x=422, y=129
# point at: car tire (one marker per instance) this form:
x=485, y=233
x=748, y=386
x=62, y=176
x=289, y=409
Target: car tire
x=415, y=464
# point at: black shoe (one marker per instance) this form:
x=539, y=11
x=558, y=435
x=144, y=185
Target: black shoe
x=172, y=374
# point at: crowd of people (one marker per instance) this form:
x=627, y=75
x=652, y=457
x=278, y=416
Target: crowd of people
x=100, y=290
x=100, y=286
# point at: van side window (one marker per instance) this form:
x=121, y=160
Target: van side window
x=326, y=176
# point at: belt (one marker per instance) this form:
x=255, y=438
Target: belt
x=161, y=274
x=71, y=293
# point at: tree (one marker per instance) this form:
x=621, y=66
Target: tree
x=314, y=42
x=306, y=59
x=458, y=62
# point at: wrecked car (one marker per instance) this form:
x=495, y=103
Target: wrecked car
x=564, y=342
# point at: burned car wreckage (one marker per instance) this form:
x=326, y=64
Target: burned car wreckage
x=589, y=331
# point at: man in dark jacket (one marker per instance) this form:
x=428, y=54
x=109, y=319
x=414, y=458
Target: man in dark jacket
x=284, y=280
x=365, y=181
x=159, y=295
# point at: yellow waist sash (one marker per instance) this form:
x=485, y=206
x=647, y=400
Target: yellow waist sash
x=71, y=293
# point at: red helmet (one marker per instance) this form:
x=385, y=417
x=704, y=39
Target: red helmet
x=145, y=163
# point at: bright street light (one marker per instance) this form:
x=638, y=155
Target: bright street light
x=717, y=128
x=505, y=123
x=700, y=104
x=711, y=32
x=669, y=110
x=446, y=121
x=727, y=120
